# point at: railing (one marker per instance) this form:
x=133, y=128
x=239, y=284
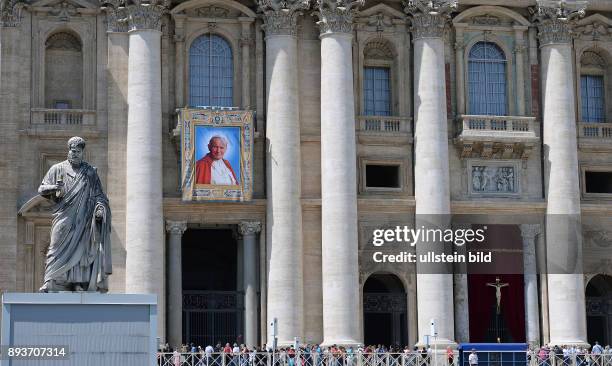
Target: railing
x=570, y=359
x=513, y=124
x=68, y=117
x=595, y=130
x=383, y=124
x=301, y=359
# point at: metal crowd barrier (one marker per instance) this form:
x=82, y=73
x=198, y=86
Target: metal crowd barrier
x=571, y=359
x=301, y=359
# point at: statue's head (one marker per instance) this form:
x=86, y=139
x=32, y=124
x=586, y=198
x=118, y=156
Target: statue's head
x=76, y=146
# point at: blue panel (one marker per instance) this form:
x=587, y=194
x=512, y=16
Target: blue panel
x=377, y=91
x=592, y=98
x=487, y=80
x=210, y=72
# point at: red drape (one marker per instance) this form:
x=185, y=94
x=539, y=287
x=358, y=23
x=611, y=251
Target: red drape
x=482, y=305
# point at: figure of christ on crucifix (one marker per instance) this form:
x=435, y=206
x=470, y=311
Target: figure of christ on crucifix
x=498, y=286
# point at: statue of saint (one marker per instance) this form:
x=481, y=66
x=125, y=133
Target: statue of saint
x=79, y=255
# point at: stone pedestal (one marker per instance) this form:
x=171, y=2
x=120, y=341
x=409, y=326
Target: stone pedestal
x=98, y=329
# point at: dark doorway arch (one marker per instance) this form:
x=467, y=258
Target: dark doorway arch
x=599, y=309
x=384, y=310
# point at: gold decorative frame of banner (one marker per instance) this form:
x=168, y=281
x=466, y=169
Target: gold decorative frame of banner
x=189, y=121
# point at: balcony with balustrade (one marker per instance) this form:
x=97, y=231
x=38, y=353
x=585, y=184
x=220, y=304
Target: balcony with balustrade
x=63, y=117
x=384, y=129
x=595, y=136
x=503, y=137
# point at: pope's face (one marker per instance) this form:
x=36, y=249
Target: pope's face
x=217, y=149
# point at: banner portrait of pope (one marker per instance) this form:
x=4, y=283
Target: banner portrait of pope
x=216, y=167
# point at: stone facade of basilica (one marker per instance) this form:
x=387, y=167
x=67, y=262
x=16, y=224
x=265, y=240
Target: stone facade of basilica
x=368, y=114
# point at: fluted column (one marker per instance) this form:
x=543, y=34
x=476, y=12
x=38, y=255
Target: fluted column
x=249, y=231
x=431, y=172
x=519, y=52
x=530, y=278
x=246, y=41
x=338, y=174
x=144, y=215
x=175, y=231
x=460, y=67
x=566, y=303
x=283, y=161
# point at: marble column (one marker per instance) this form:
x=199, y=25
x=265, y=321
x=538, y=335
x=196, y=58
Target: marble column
x=175, y=231
x=117, y=111
x=530, y=277
x=283, y=162
x=249, y=232
x=144, y=214
x=566, y=298
x=431, y=172
x=338, y=175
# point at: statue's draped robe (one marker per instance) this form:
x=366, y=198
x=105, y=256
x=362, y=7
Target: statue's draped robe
x=80, y=248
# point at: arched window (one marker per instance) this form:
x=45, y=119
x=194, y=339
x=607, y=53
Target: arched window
x=487, y=79
x=592, y=92
x=63, y=71
x=377, y=83
x=210, y=72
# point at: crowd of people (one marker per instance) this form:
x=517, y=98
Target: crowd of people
x=566, y=354
x=317, y=355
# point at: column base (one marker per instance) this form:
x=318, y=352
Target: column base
x=571, y=343
x=438, y=344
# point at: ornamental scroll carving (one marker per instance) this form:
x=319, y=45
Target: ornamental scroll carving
x=10, y=13
x=429, y=17
x=556, y=19
x=336, y=16
x=249, y=227
x=280, y=17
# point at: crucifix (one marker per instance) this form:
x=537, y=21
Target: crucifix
x=498, y=286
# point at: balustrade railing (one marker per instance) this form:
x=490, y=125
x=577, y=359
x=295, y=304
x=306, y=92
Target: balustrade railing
x=68, y=117
x=383, y=124
x=595, y=130
x=513, y=124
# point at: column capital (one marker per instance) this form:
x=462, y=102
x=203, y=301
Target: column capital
x=530, y=231
x=249, y=227
x=429, y=16
x=10, y=13
x=556, y=19
x=280, y=17
x=129, y=15
x=176, y=227
x=336, y=16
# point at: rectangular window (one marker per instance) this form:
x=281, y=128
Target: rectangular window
x=598, y=182
x=377, y=91
x=382, y=176
x=61, y=104
x=592, y=98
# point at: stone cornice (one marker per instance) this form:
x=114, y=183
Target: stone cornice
x=429, y=17
x=336, y=16
x=10, y=13
x=280, y=17
x=556, y=19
